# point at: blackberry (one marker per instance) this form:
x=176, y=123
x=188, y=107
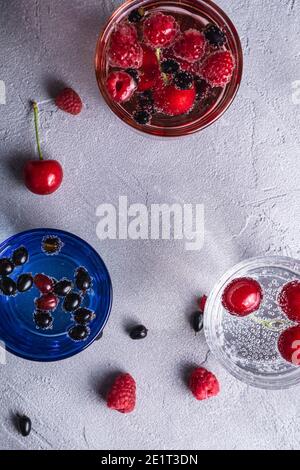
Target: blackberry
x=183, y=80
x=202, y=89
x=142, y=117
x=136, y=16
x=215, y=35
x=134, y=74
x=146, y=101
x=169, y=66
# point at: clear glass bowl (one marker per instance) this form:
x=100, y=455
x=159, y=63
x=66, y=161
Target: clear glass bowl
x=247, y=347
x=17, y=328
x=203, y=12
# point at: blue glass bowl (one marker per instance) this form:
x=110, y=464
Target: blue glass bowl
x=17, y=328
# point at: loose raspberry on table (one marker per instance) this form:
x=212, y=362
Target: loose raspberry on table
x=120, y=86
x=122, y=396
x=69, y=101
x=218, y=68
x=190, y=46
x=203, y=384
x=160, y=30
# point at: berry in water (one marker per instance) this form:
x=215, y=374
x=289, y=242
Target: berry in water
x=79, y=333
x=139, y=332
x=124, y=50
x=72, y=302
x=160, y=30
x=20, y=256
x=142, y=117
x=134, y=74
x=6, y=267
x=146, y=101
x=121, y=86
x=217, y=69
x=83, y=279
x=136, y=15
x=124, y=33
x=190, y=46
x=82, y=316
x=24, y=282
x=43, y=320
x=202, y=89
x=52, y=245
x=47, y=302
x=242, y=296
x=289, y=345
x=169, y=66
x=173, y=102
x=43, y=283
x=289, y=300
x=183, y=80
x=215, y=35
x=24, y=425
x=8, y=286
x=63, y=287
x=197, y=321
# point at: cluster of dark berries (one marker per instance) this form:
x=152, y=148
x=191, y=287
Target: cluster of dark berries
x=24, y=282
x=53, y=291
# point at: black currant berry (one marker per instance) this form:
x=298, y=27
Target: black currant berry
x=146, y=102
x=20, y=256
x=63, y=287
x=72, y=302
x=24, y=282
x=79, y=332
x=134, y=74
x=24, y=425
x=136, y=15
x=139, y=332
x=6, y=267
x=197, y=322
x=142, y=117
x=83, y=279
x=215, y=35
x=8, y=286
x=183, y=80
x=51, y=245
x=202, y=89
x=169, y=66
x=82, y=316
x=43, y=320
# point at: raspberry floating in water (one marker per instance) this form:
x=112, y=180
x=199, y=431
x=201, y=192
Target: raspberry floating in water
x=20, y=256
x=190, y=46
x=120, y=86
x=47, y=302
x=6, y=267
x=242, y=296
x=43, y=283
x=24, y=282
x=218, y=68
x=124, y=50
x=203, y=384
x=79, y=333
x=122, y=396
x=215, y=35
x=43, y=320
x=160, y=30
x=8, y=286
x=289, y=345
x=52, y=245
x=289, y=300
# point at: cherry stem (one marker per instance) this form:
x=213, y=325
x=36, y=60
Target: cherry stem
x=158, y=56
x=36, y=125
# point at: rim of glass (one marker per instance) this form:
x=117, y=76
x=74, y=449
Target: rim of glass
x=271, y=382
x=210, y=116
x=88, y=342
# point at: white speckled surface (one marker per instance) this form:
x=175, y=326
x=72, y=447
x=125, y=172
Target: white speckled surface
x=245, y=169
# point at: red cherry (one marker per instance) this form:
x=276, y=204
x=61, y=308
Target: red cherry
x=174, y=102
x=47, y=302
x=242, y=296
x=150, y=73
x=43, y=176
x=44, y=283
x=289, y=345
x=289, y=300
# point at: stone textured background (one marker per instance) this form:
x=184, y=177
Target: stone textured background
x=245, y=169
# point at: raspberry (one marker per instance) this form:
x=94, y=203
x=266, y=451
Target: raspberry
x=218, y=68
x=122, y=396
x=160, y=30
x=124, y=33
x=150, y=73
x=120, y=86
x=203, y=384
x=69, y=101
x=125, y=55
x=174, y=102
x=289, y=345
x=289, y=300
x=190, y=46
x=242, y=296
x=202, y=302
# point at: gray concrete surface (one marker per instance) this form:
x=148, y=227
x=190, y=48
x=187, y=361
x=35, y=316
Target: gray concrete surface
x=244, y=169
